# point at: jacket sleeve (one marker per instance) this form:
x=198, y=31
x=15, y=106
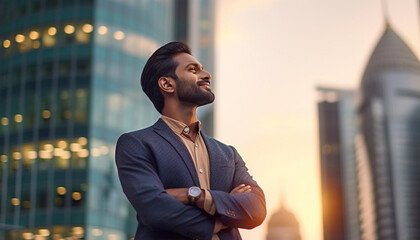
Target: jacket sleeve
x=156, y=209
x=246, y=210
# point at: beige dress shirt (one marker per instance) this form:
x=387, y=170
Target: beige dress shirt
x=200, y=156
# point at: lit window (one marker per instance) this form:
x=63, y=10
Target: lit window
x=104, y=150
x=18, y=118
x=19, y=38
x=45, y=154
x=46, y=114
x=96, y=152
x=78, y=232
x=4, y=158
x=17, y=155
x=6, y=43
x=87, y=28
x=76, y=196
x=66, y=155
x=83, y=153
x=75, y=147
x=61, y=190
x=119, y=35
x=62, y=144
x=113, y=237
x=27, y=235
x=15, y=201
x=49, y=147
x=97, y=232
x=4, y=121
x=52, y=31
x=58, y=152
x=69, y=29
x=44, y=232
x=82, y=140
x=102, y=30
x=32, y=154
x=34, y=35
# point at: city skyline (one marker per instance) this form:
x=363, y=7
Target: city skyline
x=293, y=47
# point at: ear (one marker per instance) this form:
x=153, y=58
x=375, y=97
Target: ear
x=166, y=84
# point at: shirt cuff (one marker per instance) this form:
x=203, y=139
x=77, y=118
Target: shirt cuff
x=209, y=206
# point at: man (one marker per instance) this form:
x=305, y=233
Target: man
x=183, y=184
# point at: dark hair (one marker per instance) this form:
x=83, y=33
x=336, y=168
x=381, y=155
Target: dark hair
x=161, y=64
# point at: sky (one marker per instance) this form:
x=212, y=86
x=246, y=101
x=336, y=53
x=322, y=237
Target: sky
x=270, y=57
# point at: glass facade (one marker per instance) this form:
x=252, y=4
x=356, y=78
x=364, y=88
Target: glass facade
x=69, y=86
x=388, y=117
x=337, y=129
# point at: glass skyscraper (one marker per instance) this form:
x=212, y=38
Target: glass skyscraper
x=337, y=129
x=69, y=86
x=381, y=137
x=388, y=144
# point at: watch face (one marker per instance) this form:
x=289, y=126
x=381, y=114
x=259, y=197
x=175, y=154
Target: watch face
x=194, y=191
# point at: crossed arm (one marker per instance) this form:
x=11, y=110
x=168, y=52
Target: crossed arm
x=167, y=209
x=181, y=194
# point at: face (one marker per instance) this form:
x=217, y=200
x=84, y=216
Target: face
x=193, y=83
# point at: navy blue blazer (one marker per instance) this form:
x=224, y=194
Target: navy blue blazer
x=154, y=159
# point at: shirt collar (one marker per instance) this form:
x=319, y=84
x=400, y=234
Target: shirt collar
x=179, y=127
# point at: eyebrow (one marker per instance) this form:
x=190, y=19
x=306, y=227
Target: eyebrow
x=195, y=65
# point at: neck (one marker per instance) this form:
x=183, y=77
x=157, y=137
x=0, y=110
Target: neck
x=182, y=113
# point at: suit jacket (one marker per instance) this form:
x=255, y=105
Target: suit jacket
x=154, y=159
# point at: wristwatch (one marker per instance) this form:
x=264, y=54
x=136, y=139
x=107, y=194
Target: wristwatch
x=193, y=194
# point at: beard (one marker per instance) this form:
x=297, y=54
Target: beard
x=192, y=93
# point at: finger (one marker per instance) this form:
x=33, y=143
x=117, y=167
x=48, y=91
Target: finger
x=238, y=188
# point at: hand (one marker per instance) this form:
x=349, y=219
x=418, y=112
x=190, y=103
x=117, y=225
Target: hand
x=180, y=194
x=241, y=189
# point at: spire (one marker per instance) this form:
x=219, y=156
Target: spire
x=385, y=13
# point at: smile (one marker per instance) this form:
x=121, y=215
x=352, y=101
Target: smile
x=204, y=83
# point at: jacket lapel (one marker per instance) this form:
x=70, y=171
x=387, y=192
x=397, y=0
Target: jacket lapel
x=165, y=132
x=213, y=161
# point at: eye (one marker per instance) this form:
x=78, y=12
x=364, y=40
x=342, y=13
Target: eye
x=193, y=69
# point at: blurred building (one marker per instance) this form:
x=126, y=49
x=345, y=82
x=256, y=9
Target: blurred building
x=283, y=225
x=69, y=86
x=388, y=150
x=382, y=152
x=337, y=129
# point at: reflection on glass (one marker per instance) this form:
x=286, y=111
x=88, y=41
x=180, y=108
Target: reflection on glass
x=119, y=35
x=36, y=44
x=102, y=30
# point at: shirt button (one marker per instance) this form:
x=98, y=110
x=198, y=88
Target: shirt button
x=196, y=145
x=201, y=171
x=186, y=130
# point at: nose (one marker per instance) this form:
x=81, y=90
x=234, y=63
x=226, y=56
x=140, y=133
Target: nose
x=206, y=75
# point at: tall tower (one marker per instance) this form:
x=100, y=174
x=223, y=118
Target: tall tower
x=388, y=153
x=337, y=129
x=69, y=86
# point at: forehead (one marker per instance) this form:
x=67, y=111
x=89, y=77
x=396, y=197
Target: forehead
x=184, y=59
